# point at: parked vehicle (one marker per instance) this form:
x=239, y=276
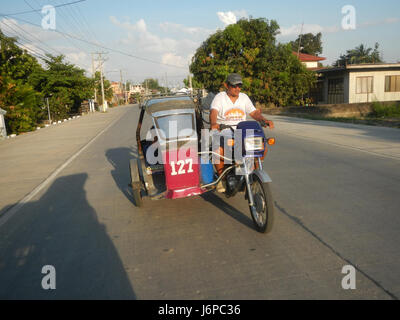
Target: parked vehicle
x=174, y=163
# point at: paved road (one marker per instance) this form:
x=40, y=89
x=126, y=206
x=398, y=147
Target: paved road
x=336, y=193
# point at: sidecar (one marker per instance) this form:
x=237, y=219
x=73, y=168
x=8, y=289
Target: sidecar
x=168, y=165
x=174, y=161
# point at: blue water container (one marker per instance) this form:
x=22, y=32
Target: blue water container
x=207, y=172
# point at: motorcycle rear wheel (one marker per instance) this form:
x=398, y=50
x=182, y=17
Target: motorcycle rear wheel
x=262, y=212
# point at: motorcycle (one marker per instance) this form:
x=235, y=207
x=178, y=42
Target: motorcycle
x=182, y=171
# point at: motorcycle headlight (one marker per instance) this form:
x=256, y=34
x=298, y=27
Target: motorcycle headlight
x=254, y=144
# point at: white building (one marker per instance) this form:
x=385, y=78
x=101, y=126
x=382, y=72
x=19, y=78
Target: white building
x=309, y=61
x=361, y=83
x=3, y=131
x=137, y=88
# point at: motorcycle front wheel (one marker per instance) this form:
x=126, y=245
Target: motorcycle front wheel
x=262, y=212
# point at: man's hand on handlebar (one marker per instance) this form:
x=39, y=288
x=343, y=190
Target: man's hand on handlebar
x=267, y=123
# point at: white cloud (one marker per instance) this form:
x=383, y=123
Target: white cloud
x=171, y=45
x=295, y=30
x=227, y=18
x=231, y=17
x=37, y=40
x=379, y=22
x=144, y=40
x=173, y=59
x=171, y=27
x=15, y=29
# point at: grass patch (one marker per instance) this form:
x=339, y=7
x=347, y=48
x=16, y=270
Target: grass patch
x=371, y=121
x=381, y=111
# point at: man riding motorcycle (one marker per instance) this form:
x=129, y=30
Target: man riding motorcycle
x=230, y=108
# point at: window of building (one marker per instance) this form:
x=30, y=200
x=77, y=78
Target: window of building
x=336, y=91
x=392, y=84
x=365, y=85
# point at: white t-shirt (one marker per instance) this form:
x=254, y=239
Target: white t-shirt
x=230, y=113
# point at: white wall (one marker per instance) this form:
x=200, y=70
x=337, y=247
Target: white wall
x=378, y=93
x=311, y=64
x=3, y=132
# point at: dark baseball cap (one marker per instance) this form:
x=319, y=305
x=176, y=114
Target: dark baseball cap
x=234, y=79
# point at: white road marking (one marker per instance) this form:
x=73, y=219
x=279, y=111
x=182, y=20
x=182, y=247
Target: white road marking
x=12, y=211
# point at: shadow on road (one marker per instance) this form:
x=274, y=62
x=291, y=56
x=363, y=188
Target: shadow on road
x=120, y=158
x=61, y=229
x=228, y=209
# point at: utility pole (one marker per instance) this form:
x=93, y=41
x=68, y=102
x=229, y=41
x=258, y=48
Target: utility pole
x=301, y=36
x=101, y=63
x=48, y=109
x=126, y=89
x=94, y=79
x=123, y=86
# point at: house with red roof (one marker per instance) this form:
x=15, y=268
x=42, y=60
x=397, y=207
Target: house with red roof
x=310, y=61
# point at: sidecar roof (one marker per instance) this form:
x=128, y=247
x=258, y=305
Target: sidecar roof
x=169, y=104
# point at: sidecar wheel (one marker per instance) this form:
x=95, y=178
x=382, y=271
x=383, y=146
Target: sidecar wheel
x=136, y=184
x=262, y=212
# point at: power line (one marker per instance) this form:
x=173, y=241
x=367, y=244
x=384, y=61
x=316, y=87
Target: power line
x=69, y=40
x=104, y=47
x=39, y=10
x=22, y=36
x=75, y=22
x=79, y=21
x=87, y=24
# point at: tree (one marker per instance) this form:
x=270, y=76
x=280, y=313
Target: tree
x=195, y=84
x=24, y=84
x=270, y=71
x=64, y=84
x=17, y=96
x=359, y=55
x=310, y=44
x=21, y=103
x=151, y=84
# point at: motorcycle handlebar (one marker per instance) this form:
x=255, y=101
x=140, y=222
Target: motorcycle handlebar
x=262, y=123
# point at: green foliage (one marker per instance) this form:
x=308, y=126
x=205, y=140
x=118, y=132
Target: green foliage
x=65, y=85
x=151, y=84
x=24, y=84
x=310, y=44
x=270, y=71
x=195, y=84
x=385, y=111
x=20, y=101
x=359, y=55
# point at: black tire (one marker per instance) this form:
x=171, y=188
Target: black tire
x=263, y=217
x=136, y=184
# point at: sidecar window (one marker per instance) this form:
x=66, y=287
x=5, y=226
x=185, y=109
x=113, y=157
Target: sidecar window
x=177, y=126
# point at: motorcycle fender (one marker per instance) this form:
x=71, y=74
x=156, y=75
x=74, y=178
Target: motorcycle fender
x=264, y=177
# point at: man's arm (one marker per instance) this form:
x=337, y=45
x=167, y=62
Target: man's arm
x=213, y=119
x=256, y=115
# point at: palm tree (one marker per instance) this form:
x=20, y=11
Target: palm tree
x=359, y=55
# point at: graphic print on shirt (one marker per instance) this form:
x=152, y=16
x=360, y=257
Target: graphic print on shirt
x=235, y=114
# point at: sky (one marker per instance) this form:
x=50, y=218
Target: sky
x=158, y=38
